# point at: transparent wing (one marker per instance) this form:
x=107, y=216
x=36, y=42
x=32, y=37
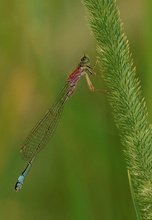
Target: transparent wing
x=42, y=132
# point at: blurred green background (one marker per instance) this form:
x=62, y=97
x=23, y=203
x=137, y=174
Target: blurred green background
x=81, y=173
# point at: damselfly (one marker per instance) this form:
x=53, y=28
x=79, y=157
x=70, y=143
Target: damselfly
x=42, y=132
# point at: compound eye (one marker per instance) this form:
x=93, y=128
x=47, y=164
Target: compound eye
x=85, y=60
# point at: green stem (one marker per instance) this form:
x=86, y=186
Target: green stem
x=130, y=113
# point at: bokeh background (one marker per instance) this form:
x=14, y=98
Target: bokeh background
x=81, y=173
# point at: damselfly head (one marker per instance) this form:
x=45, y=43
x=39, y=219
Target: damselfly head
x=18, y=186
x=84, y=60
